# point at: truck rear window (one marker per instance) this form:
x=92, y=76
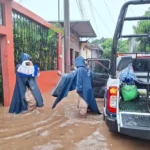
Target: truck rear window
x=124, y=62
x=139, y=64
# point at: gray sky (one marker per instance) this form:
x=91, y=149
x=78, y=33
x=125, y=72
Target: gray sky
x=104, y=24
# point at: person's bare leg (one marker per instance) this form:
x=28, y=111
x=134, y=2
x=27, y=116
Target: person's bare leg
x=30, y=100
x=78, y=100
x=82, y=108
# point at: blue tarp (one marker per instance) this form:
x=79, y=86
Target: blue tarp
x=128, y=75
x=18, y=103
x=79, y=79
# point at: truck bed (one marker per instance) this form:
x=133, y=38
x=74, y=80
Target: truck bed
x=137, y=105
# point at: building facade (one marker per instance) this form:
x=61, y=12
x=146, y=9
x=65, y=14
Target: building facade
x=79, y=31
x=85, y=51
x=90, y=50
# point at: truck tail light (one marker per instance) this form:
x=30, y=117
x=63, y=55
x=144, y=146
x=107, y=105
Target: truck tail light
x=112, y=99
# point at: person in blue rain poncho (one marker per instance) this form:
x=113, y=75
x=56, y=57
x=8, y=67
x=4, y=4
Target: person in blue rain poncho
x=80, y=80
x=26, y=96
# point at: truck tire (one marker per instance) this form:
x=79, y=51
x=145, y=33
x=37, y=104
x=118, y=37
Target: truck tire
x=103, y=116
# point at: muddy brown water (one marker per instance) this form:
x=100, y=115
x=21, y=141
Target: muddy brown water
x=61, y=129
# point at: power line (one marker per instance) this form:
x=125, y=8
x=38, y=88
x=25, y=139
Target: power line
x=109, y=11
x=100, y=18
x=82, y=6
x=80, y=9
x=93, y=16
x=130, y=9
x=20, y=1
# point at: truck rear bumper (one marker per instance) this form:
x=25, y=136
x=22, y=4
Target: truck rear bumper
x=135, y=124
x=111, y=122
x=138, y=133
x=141, y=133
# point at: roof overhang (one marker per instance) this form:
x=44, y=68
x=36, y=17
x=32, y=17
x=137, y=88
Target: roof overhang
x=83, y=29
x=94, y=47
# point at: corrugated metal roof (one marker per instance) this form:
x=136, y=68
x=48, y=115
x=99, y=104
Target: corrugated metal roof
x=94, y=47
x=84, y=29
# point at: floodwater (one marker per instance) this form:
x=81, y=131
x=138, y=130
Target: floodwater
x=61, y=129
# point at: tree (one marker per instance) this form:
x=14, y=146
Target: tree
x=106, y=44
x=143, y=27
x=123, y=46
x=36, y=40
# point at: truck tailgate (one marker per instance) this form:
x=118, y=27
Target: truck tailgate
x=135, y=124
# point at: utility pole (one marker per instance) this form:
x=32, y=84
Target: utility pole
x=66, y=36
x=59, y=11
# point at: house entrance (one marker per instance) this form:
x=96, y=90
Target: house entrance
x=71, y=56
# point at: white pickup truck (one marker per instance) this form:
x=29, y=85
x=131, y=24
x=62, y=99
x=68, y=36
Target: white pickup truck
x=133, y=117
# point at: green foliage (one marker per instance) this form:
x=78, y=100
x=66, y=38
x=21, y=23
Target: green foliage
x=58, y=28
x=106, y=44
x=36, y=40
x=143, y=27
x=123, y=46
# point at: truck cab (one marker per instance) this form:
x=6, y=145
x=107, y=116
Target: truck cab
x=133, y=117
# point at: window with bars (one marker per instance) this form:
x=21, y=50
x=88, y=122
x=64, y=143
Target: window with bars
x=1, y=14
x=38, y=41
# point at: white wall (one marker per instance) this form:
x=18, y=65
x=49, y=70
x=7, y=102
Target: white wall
x=85, y=52
x=96, y=54
x=89, y=53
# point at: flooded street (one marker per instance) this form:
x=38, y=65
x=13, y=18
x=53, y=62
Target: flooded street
x=61, y=129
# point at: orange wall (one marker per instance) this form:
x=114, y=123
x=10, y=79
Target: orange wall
x=7, y=52
x=48, y=79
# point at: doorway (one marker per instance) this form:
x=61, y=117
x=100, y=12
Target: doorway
x=76, y=54
x=1, y=78
x=71, y=57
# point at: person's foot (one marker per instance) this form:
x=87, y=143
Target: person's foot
x=24, y=112
x=33, y=111
x=100, y=113
x=88, y=110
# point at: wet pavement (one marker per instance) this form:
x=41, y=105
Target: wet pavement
x=61, y=129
